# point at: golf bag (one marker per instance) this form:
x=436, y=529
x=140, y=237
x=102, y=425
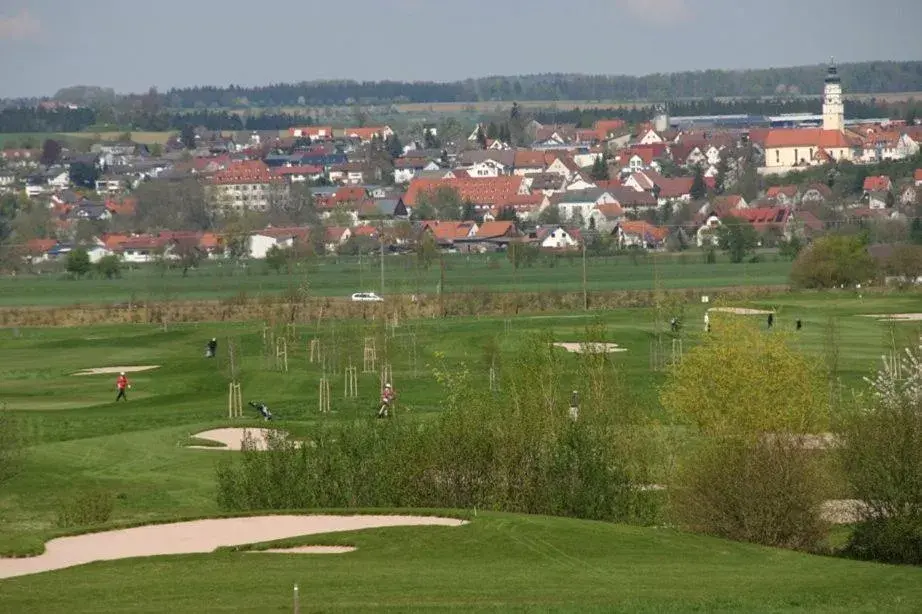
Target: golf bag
x=262, y=409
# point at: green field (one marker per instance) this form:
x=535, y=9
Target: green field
x=402, y=275
x=80, y=441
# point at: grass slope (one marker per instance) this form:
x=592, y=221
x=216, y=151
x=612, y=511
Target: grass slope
x=499, y=562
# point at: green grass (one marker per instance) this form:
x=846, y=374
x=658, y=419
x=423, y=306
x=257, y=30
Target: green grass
x=80, y=440
x=498, y=563
x=343, y=276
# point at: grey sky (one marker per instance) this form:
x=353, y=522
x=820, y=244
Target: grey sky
x=133, y=44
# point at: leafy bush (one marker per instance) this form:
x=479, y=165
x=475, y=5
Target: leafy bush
x=833, y=261
x=514, y=450
x=87, y=508
x=750, y=395
x=764, y=491
x=882, y=459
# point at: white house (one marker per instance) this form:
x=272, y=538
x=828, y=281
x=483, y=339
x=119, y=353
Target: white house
x=556, y=237
x=59, y=180
x=98, y=252
x=485, y=168
x=579, y=204
x=579, y=183
x=650, y=137
x=260, y=243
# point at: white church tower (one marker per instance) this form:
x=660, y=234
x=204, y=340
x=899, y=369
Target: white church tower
x=833, y=107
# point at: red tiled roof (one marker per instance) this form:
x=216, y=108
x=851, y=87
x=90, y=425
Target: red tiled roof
x=308, y=169
x=485, y=190
x=495, y=229
x=451, y=230
x=762, y=218
x=39, y=246
x=675, y=187
x=528, y=158
x=878, y=183
x=781, y=190
x=918, y=174
x=611, y=211
x=806, y=137
x=642, y=229
x=243, y=172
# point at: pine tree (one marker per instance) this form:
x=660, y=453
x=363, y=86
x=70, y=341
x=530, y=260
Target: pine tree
x=721, y=179
x=699, y=189
x=492, y=131
x=599, y=170
x=481, y=137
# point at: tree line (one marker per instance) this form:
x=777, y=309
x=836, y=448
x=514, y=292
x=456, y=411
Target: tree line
x=865, y=77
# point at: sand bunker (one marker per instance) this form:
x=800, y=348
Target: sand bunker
x=816, y=441
x=591, y=348
x=232, y=438
x=896, y=317
x=310, y=550
x=197, y=536
x=743, y=311
x=105, y=370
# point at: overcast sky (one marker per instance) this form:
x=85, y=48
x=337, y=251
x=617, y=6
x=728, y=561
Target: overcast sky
x=132, y=44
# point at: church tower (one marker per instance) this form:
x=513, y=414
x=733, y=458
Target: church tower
x=833, y=108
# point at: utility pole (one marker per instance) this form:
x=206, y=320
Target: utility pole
x=381, y=240
x=585, y=288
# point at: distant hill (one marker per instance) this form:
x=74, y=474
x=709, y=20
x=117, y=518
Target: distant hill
x=864, y=77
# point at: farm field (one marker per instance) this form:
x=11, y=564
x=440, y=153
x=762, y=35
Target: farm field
x=342, y=276
x=81, y=441
x=16, y=139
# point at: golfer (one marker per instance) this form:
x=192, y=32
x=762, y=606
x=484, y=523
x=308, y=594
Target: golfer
x=121, y=384
x=387, y=398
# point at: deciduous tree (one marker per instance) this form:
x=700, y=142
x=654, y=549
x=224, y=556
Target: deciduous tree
x=737, y=238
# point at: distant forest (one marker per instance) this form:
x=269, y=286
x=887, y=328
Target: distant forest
x=34, y=120
x=864, y=77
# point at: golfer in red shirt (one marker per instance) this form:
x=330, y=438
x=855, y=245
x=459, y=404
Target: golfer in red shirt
x=121, y=383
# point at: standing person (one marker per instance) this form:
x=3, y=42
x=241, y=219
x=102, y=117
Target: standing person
x=771, y=319
x=121, y=384
x=707, y=322
x=387, y=399
x=212, y=348
x=799, y=324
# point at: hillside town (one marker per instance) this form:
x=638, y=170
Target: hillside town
x=668, y=183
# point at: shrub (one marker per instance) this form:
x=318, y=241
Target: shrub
x=761, y=491
x=749, y=394
x=514, y=450
x=832, y=261
x=882, y=457
x=87, y=508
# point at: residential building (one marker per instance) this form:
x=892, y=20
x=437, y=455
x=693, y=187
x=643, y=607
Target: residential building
x=246, y=185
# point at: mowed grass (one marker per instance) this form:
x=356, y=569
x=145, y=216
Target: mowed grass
x=498, y=563
x=343, y=276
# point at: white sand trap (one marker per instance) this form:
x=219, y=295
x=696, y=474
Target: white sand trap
x=197, y=536
x=310, y=550
x=105, y=370
x=742, y=311
x=895, y=317
x=232, y=438
x=591, y=348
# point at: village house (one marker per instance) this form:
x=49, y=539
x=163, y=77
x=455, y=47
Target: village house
x=605, y=218
x=641, y=235
x=553, y=237
x=782, y=194
x=816, y=193
x=261, y=241
x=577, y=206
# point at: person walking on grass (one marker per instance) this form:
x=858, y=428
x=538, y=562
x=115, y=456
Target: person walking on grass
x=387, y=398
x=121, y=384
